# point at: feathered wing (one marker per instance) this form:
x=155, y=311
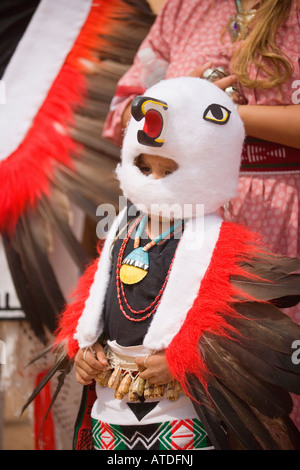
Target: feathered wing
x=65, y=346
x=241, y=380
x=64, y=162
x=63, y=166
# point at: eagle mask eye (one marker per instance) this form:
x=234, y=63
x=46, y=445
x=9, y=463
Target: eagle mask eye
x=217, y=114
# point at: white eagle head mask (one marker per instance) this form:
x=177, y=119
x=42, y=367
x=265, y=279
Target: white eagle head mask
x=194, y=123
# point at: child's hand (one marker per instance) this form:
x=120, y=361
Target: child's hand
x=154, y=368
x=88, y=365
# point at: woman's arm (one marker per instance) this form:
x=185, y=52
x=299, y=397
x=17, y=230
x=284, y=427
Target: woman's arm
x=131, y=83
x=280, y=124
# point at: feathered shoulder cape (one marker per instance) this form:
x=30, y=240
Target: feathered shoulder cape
x=232, y=350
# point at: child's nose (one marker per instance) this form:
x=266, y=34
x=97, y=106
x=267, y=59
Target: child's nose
x=157, y=175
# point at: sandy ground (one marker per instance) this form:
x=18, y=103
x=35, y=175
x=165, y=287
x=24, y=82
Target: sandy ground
x=17, y=432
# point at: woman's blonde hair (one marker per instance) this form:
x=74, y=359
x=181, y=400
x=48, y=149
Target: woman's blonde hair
x=261, y=50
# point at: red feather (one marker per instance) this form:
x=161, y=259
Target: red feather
x=213, y=303
x=26, y=174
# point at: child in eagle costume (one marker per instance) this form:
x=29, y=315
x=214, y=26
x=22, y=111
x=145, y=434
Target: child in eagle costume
x=175, y=329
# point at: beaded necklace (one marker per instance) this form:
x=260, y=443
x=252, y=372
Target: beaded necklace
x=135, y=267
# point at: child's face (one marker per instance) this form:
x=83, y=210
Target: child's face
x=156, y=166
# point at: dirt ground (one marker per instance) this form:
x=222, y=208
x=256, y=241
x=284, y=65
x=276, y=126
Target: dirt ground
x=17, y=432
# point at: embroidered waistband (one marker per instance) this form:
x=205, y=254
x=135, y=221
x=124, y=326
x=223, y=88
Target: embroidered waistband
x=123, y=376
x=260, y=156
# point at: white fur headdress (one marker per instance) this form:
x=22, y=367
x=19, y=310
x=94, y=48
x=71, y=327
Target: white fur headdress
x=193, y=122
x=196, y=124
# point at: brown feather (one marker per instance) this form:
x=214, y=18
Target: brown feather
x=235, y=375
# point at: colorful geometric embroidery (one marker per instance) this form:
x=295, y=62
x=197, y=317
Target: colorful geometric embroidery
x=183, y=435
x=172, y=435
x=106, y=437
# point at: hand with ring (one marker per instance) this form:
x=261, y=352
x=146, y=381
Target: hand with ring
x=89, y=362
x=221, y=79
x=154, y=368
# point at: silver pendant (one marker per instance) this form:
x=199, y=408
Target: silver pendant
x=239, y=25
